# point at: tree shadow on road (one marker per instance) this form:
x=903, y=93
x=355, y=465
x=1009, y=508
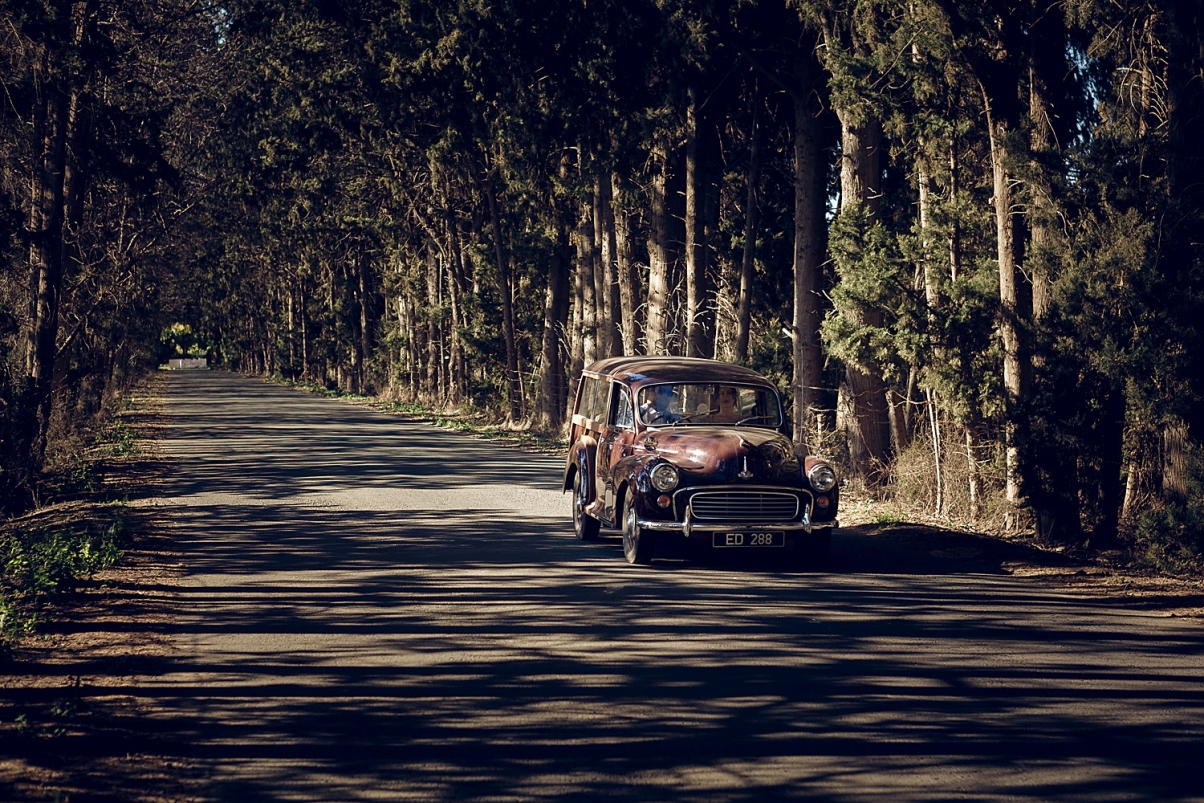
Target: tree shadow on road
x=325, y=646
x=414, y=655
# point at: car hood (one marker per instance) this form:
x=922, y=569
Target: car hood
x=728, y=454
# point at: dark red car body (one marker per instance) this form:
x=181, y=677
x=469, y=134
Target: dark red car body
x=688, y=485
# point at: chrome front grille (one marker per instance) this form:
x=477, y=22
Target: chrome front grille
x=744, y=506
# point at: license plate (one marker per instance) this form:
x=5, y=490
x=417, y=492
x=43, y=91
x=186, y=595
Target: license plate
x=748, y=540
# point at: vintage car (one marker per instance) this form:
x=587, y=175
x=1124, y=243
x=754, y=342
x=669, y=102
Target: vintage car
x=690, y=458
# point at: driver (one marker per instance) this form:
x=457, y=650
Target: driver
x=656, y=409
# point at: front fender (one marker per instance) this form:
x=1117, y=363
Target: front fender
x=632, y=474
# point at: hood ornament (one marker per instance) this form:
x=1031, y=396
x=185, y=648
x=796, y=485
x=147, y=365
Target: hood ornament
x=745, y=474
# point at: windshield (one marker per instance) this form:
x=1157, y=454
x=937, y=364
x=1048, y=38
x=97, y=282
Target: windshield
x=685, y=404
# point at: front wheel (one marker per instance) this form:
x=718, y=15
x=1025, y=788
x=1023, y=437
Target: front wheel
x=585, y=526
x=636, y=546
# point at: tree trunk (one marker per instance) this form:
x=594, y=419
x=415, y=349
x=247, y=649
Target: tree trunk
x=432, y=326
x=602, y=327
x=749, y=255
x=860, y=177
x=303, y=304
x=932, y=296
x=415, y=359
x=1047, y=47
x=506, y=291
x=586, y=274
x=657, y=335
x=975, y=484
x=549, y=405
x=1185, y=188
x=456, y=287
x=810, y=226
x=955, y=232
x=1014, y=369
x=627, y=273
x=365, y=321
x=699, y=328
x=292, y=328
x=576, y=337
x=934, y=423
x=1174, y=463
x=610, y=329
x=46, y=259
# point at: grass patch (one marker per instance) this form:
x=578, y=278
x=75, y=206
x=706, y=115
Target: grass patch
x=38, y=564
x=887, y=519
x=119, y=440
x=319, y=390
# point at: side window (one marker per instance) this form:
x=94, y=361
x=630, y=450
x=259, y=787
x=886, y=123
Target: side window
x=601, y=397
x=593, y=398
x=588, y=384
x=585, y=407
x=624, y=417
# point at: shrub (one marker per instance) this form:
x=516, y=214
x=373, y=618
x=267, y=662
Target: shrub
x=1171, y=540
x=37, y=565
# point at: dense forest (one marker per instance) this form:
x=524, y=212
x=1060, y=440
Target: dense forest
x=960, y=235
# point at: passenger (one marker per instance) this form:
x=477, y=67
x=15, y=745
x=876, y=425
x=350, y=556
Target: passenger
x=729, y=410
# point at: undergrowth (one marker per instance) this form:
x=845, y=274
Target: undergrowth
x=80, y=528
x=39, y=564
x=1170, y=539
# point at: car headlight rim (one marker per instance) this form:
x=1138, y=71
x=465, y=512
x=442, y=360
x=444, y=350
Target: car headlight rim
x=822, y=478
x=664, y=477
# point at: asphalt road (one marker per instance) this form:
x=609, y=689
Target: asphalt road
x=382, y=610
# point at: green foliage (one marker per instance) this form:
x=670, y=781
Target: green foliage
x=877, y=321
x=1171, y=538
x=37, y=565
x=888, y=519
x=178, y=340
x=120, y=440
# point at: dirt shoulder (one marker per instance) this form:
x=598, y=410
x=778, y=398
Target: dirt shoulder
x=70, y=729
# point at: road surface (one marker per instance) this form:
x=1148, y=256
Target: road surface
x=376, y=609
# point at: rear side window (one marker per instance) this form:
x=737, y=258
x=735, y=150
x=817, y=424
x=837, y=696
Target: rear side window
x=593, y=398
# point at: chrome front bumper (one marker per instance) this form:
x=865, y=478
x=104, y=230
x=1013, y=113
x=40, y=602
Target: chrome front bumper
x=688, y=526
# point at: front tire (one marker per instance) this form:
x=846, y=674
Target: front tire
x=585, y=526
x=637, y=547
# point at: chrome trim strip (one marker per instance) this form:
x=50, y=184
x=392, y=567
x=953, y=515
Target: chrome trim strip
x=687, y=528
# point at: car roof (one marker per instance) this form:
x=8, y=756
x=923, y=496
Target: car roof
x=647, y=370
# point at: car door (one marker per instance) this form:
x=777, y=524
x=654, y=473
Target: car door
x=615, y=444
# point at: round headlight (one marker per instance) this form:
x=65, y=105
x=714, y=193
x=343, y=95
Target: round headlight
x=822, y=478
x=664, y=477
